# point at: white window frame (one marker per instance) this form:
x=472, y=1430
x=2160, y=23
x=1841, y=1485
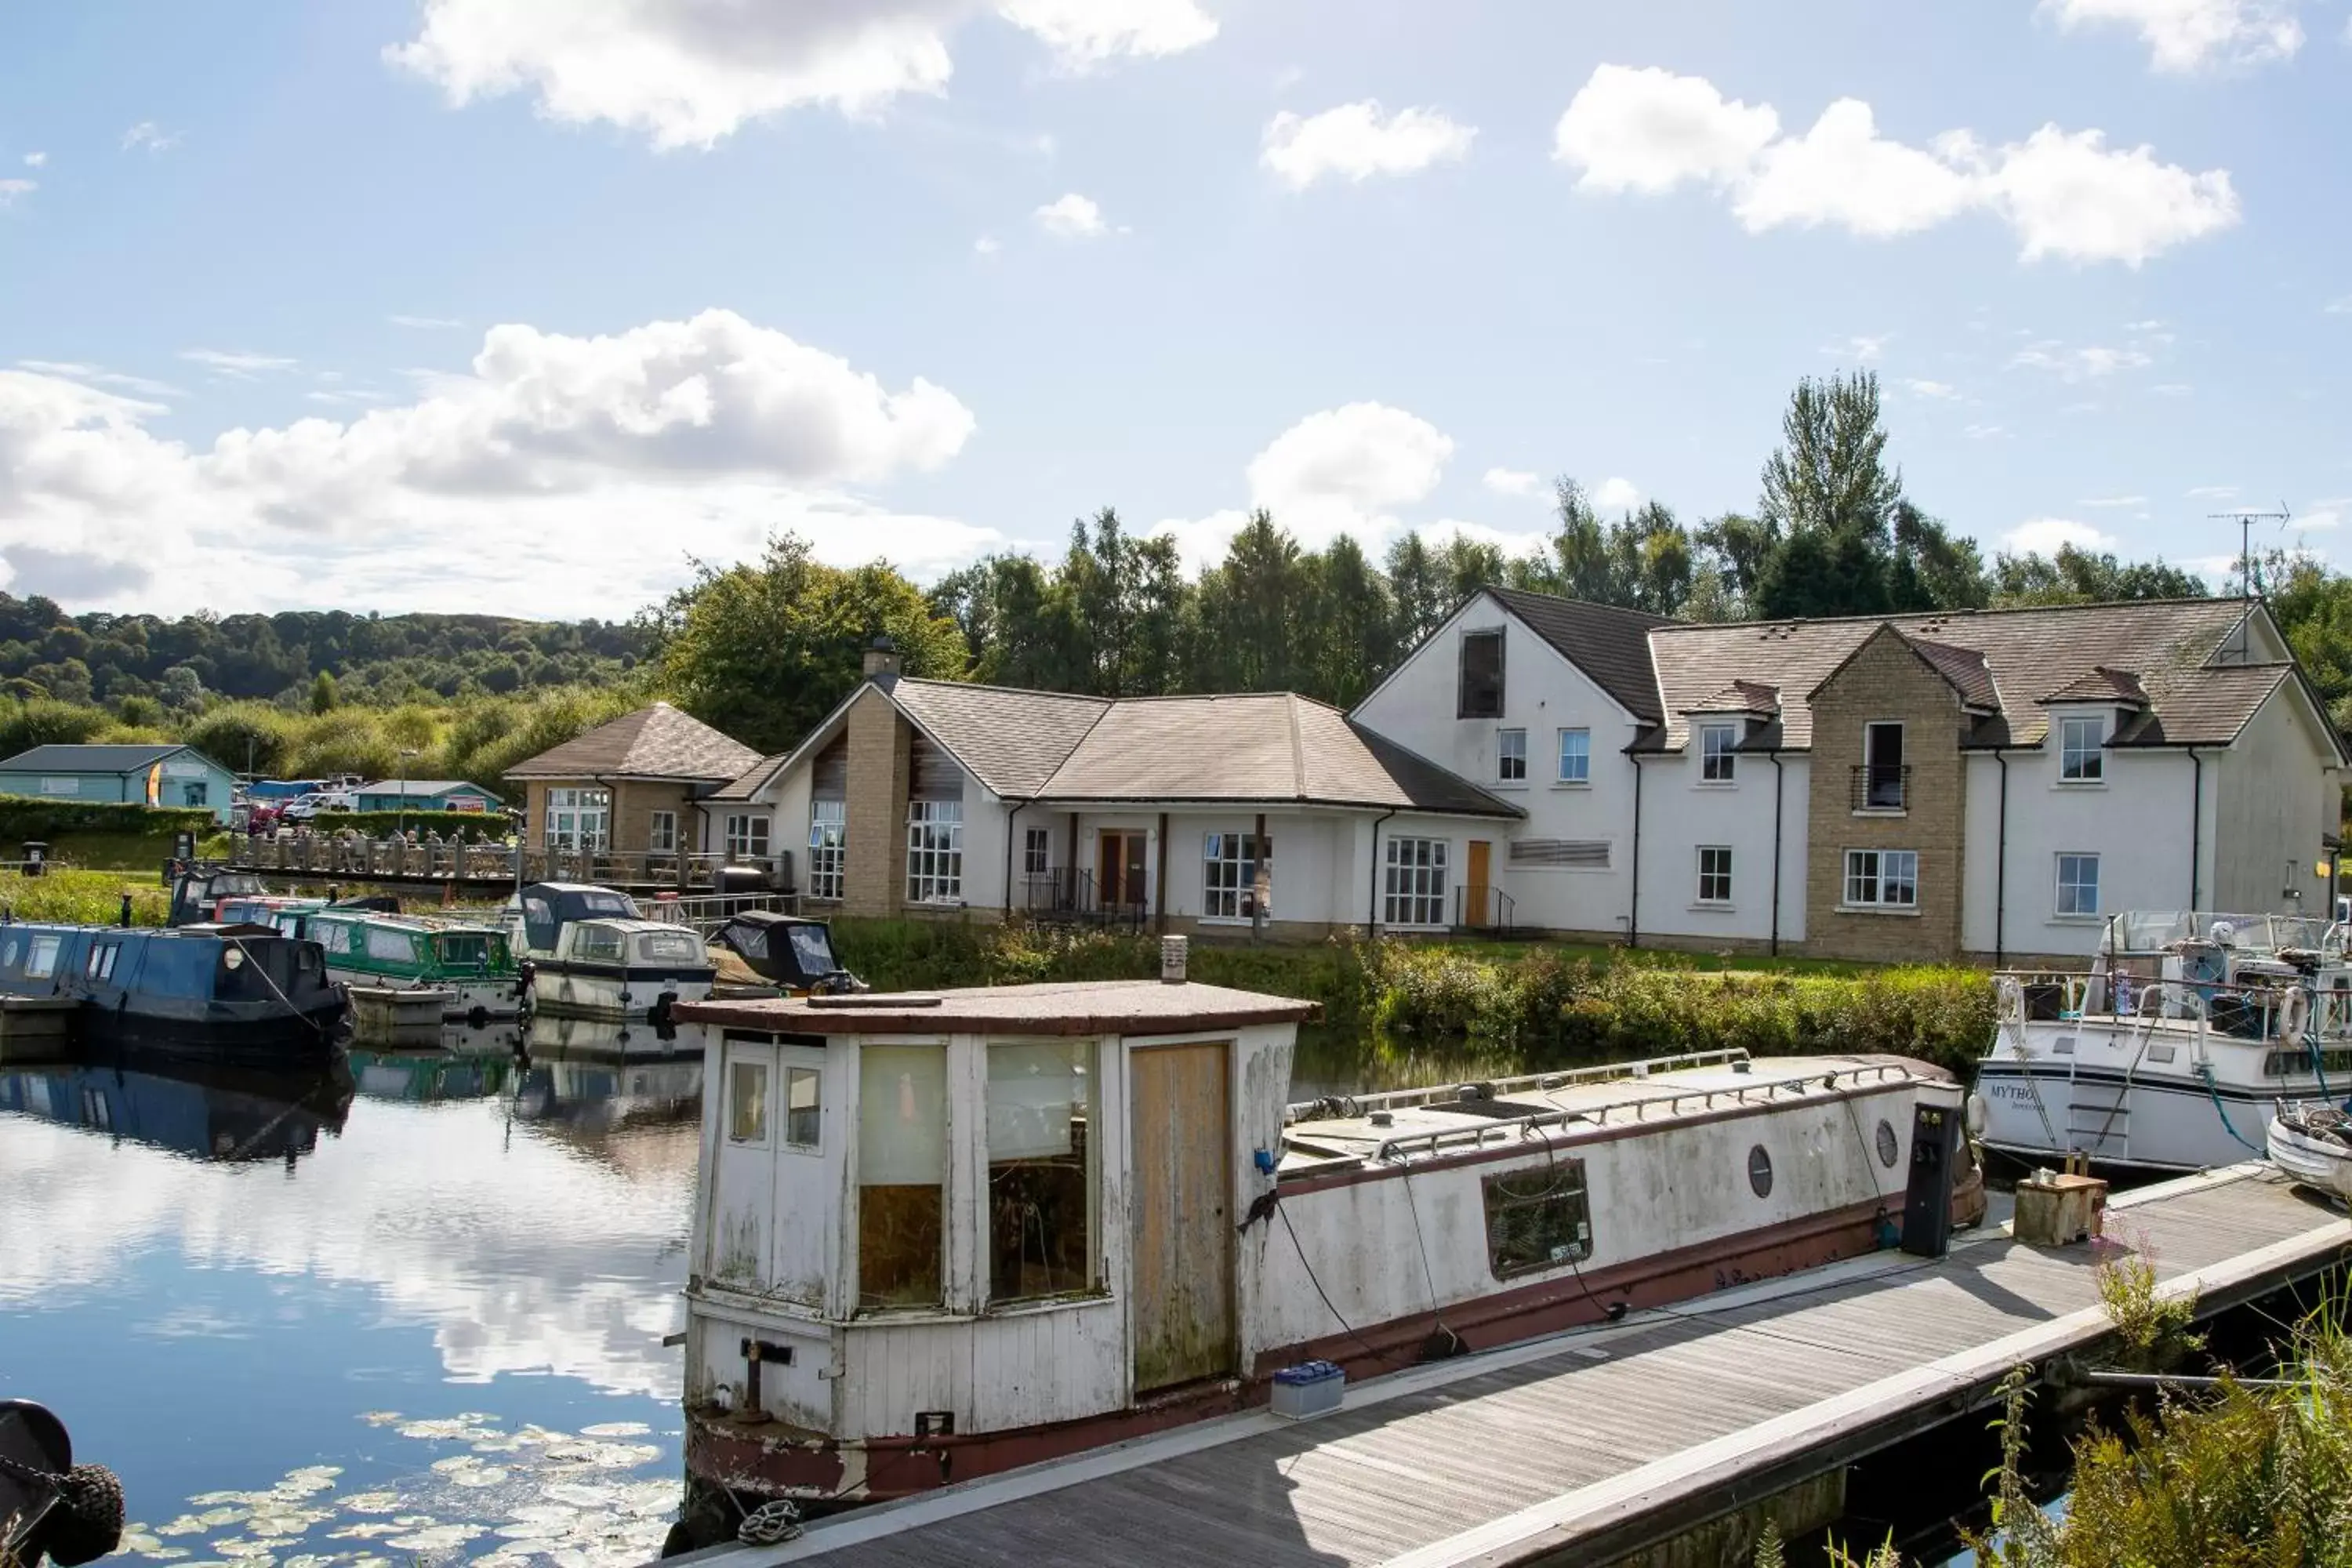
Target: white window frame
x=1583, y=759
x=1715, y=866
x=828, y=840
x=1229, y=864
x=1510, y=753
x=2071, y=889
x=1868, y=889
x=1718, y=754
x=1412, y=883
x=579, y=819
x=1037, y=851
x=661, y=833
x=749, y=835
x=2080, y=762
x=935, y=851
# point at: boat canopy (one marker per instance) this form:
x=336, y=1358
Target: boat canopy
x=2148, y=931
x=794, y=951
x=636, y=941
x=546, y=907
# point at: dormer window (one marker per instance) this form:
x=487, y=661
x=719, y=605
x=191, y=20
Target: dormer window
x=1719, y=752
x=2081, y=756
x=1482, y=675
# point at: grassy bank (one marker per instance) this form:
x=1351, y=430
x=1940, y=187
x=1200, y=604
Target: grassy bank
x=1534, y=1005
x=84, y=897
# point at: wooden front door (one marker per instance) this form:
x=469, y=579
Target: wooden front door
x=1119, y=875
x=1475, y=896
x=1181, y=1155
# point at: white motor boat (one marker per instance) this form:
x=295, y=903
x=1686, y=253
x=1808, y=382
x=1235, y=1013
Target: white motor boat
x=2312, y=1143
x=2172, y=1051
x=591, y=955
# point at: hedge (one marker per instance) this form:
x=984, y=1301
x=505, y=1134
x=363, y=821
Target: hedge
x=23, y=817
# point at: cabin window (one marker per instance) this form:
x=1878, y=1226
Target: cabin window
x=902, y=1164
x=934, y=851
x=828, y=847
x=101, y=961
x=1230, y=877
x=2080, y=760
x=813, y=950
x=41, y=958
x=1511, y=756
x=600, y=944
x=747, y=837
x=196, y=793
x=1576, y=756
x=469, y=949
x=1538, y=1218
x=1040, y=1170
x=804, y=1118
x=1415, y=890
x=746, y=1101
x=1882, y=878
x=1719, y=752
x=672, y=947
x=579, y=819
x=661, y=833
x=1482, y=675
x=1715, y=874
x=2078, y=884
x=389, y=946
x=1037, y=852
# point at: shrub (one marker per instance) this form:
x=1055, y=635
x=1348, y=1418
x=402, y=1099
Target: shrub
x=24, y=816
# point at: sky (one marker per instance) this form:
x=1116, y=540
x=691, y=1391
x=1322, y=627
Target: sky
x=524, y=306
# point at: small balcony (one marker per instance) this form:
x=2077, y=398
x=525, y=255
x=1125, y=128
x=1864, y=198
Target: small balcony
x=1067, y=895
x=1882, y=787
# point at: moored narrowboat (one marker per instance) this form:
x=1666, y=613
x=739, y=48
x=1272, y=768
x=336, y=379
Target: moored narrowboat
x=472, y=963
x=227, y=991
x=939, y=1237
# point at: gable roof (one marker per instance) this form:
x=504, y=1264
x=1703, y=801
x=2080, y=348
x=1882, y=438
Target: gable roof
x=1607, y=644
x=2101, y=685
x=2022, y=653
x=1742, y=697
x=1008, y=737
x=748, y=783
x=72, y=758
x=657, y=743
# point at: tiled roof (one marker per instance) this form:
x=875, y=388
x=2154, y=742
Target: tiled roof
x=1009, y=737
x=657, y=743
x=2102, y=685
x=754, y=779
x=1742, y=697
x=1607, y=644
x=1965, y=668
x=65, y=759
x=2020, y=652
x=2205, y=706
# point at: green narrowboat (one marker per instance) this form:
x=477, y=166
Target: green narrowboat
x=472, y=963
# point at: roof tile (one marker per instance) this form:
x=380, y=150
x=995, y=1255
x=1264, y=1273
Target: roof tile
x=660, y=741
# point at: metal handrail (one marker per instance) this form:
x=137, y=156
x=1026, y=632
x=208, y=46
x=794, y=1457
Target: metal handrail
x=1392, y=1099
x=1477, y=1134
x=1881, y=786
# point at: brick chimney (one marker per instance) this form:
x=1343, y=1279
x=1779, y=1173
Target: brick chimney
x=882, y=657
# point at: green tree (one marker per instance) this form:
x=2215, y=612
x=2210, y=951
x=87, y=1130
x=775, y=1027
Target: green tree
x=1251, y=635
x=322, y=693
x=2081, y=577
x=1351, y=627
x=1830, y=474
x=1417, y=590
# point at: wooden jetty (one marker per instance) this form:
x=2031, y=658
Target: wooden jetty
x=1598, y=1444
x=489, y=868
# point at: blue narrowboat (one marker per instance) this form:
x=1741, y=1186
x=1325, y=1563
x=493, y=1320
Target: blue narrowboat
x=231, y=990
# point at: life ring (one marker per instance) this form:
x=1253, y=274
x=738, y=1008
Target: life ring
x=2294, y=1012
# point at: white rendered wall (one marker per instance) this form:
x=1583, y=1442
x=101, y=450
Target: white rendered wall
x=1681, y=813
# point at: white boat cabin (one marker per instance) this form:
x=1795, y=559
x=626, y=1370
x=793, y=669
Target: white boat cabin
x=939, y=1236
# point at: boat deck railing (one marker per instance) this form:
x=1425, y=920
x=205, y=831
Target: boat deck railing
x=706, y=913
x=1486, y=1130
x=2289, y=1012
x=1405, y=1099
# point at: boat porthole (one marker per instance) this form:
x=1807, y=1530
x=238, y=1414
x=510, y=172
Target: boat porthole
x=1760, y=1171
x=1888, y=1147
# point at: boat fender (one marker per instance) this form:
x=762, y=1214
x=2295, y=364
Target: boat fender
x=1467, y=1092
x=2010, y=999
x=2294, y=1012
x=1973, y=1114
x=476, y=1017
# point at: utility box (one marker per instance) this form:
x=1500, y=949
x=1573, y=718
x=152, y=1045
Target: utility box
x=1927, y=1199
x=1310, y=1388
x=2060, y=1208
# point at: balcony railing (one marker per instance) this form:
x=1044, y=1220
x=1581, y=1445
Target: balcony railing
x=1482, y=909
x=1067, y=895
x=1880, y=787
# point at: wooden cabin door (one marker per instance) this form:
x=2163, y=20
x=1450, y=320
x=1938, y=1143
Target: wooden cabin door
x=1180, y=1120
x=1475, y=896
x=1120, y=875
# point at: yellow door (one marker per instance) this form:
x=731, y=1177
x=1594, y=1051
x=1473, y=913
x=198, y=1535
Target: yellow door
x=1475, y=896
x=1182, y=1227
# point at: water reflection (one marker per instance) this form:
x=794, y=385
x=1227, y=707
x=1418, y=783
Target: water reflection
x=428, y=1320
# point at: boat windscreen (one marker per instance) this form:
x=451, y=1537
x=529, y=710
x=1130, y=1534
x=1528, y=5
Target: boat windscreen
x=601, y=901
x=464, y=949
x=669, y=947
x=750, y=941
x=813, y=950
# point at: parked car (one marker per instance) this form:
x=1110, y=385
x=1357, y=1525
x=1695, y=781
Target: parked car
x=302, y=808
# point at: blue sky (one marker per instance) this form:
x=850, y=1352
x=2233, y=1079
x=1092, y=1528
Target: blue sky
x=473, y=304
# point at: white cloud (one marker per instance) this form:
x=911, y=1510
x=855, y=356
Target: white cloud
x=2212, y=492
x=2324, y=513
x=1940, y=390
x=1072, y=216
x=1512, y=482
x=1084, y=34
x=2045, y=535
x=10, y=189
x=1861, y=347
x=97, y=376
x=1649, y=131
x=2113, y=501
x=1618, y=495
x=626, y=451
x=2172, y=389
x=2085, y=364
x=689, y=73
x=231, y=362
x=2065, y=194
x=34, y=160
x=148, y=136
x=1983, y=432
x=1343, y=470
x=1512, y=544
x=2342, y=307
x=987, y=245
x=2184, y=34
x=1354, y=142
x=426, y=323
